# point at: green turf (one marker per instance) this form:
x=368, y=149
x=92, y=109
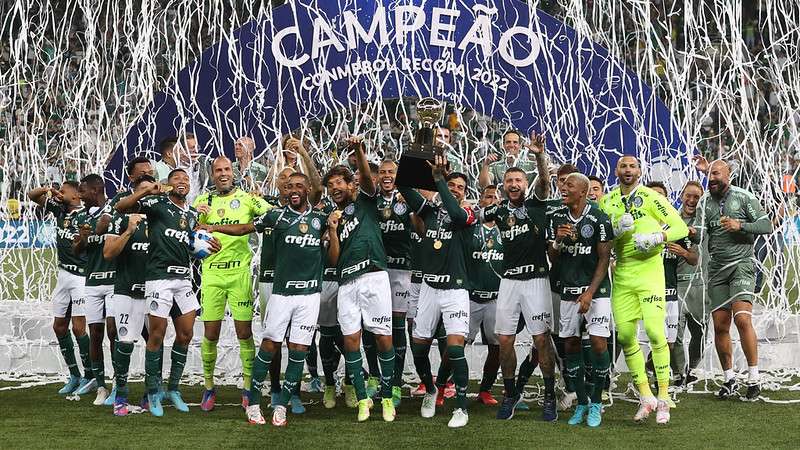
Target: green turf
x=38, y=418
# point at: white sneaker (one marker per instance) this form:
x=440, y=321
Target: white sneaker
x=646, y=406
x=428, y=409
x=102, y=395
x=459, y=419
x=566, y=401
x=254, y=415
x=279, y=416
x=662, y=412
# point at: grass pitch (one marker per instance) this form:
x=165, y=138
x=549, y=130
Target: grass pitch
x=39, y=418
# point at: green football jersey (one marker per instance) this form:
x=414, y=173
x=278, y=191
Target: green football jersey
x=416, y=256
x=524, y=233
x=394, y=219
x=297, y=239
x=99, y=272
x=132, y=261
x=169, y=230
x=730, y=247
x=447, y=238
x=485, y=263
x=360, y=242
x=687, y=272
x=555, y=281
x=578, y=257
x=267, y=267
x=671, y=261
x=235, y=208
x=329, y=272
x=65, y=236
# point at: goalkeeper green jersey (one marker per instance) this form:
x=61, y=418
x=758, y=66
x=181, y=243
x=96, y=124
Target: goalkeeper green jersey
x=237, y=207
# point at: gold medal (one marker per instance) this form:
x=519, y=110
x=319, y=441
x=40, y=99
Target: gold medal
x=437, y=244
x=165, y=188
x=387, y=212
x=490, y=243
x=303, y=227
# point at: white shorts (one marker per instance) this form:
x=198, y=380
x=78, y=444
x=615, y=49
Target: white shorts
x=531, y=298
x=400, y=281
x=298, y=311
x=162, y=294
x=264, y=292
x=130, y=314
x=449, y=305
x=598, y=318
x=556, y=322
x=413, y=300
x=98, y=303
x=671, y=321
x=69, y=295
x=482, y=318
x=366, y=299
x=327, y=304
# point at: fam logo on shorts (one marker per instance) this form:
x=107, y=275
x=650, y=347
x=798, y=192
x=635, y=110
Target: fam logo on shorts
x=587, y=231
x=235, y=203
x=400, y=208
x=153, y=305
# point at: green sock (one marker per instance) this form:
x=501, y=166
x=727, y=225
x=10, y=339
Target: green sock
x=371, y=352
x=600, y=366
x=122, y=360
x=329, y=354
x=460, y=373
x=526, y=369
x=178, y=357
x=83, y=350
x=588, y=358
x=114, y=360
x=261, y=364
x=422, y=362
x=575, y=373
x=247, y=350
x=161, y=363
x=386, y=360
x=352, y=364
x=294, y=371
x=152, y=367
x=68, y=352
x=98, y=369
x=399, y=343
x=445, y=370
x=208, y=353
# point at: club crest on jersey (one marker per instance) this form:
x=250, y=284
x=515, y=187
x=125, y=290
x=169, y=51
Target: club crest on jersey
x=235, y=203
x=734, y=205
x=303, y=227
x=183, y=223
x=316, y=224
x=520, y=213
x=400, y=208
x=350, y=209
x=221, y=212
x=587, y=231
x=637, y=201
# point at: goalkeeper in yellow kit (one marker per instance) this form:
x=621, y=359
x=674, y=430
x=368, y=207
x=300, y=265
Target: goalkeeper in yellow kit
x=643, y=221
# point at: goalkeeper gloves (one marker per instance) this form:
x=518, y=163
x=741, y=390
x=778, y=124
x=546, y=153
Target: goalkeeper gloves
x=624, y=224
x=648, y=241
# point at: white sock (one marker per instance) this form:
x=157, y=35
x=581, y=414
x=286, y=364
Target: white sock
x=729, y=375
x=752, y=373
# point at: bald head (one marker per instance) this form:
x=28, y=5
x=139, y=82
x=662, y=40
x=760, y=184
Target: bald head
x=628, y=171
x=719, y=178
x=222, y=174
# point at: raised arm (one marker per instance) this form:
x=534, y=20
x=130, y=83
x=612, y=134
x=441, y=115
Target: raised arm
x=364, y=173
x=333, y=237
x=39, y=195
x=485, y=176
x=114, y=244
x=460, y=216
x=415, y=201
x=130, y=204
x=541, y=187
x=315, y=192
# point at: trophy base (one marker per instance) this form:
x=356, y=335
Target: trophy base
x=413, y=169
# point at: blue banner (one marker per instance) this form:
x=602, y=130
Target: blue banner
x=27, y=234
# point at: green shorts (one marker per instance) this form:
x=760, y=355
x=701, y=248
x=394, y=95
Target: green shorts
x=729, y=283
x=633, y=298
x=233, y=288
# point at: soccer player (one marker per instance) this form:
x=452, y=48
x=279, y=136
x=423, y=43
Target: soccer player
x=732, y=217
x=126, y=243
x=581, y=237
x=493, y=170
x=170, y=221
x=444, y=291
x=68, y=296
x=227, y=275
x=365, y=294
x=638, y=215
x=597, y=188
x=99, y=274
x=484, y=266
x=395, y=222
x=297, y=231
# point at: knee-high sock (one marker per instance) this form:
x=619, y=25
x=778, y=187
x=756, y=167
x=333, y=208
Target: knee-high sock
x=626, y=335
x=113, y=348
x=526, y=369
x=695, y=342
x=353, y=365
x=460, y=373
x=399, y=342
x=178, y=357
x=122, y=360
x=311, y=358
x=329, y=354
x=68, y=352
x=371, y=352
x=261, y=365
x=275, y=372
x=386, y=359
x=152, y=369
x=247, y=351
x=445, y=368
x=423, y=364
x=161, y=362
x=208, y=353
x=586, y=349
x=98, y=369
x=600, y=366
x=574, y=372
x=83, y=350
x=294, y=372
x=660, y=353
